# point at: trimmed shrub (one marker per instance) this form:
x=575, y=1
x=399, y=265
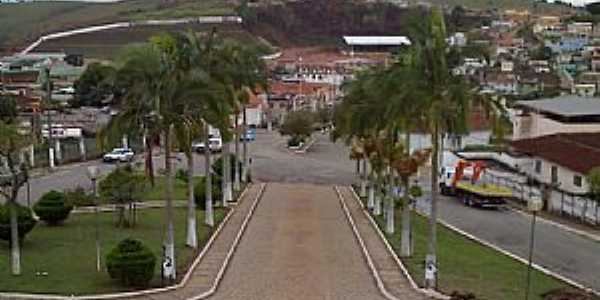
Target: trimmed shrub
x=52, y=208
x=79, y=197
x=200, y=195
x=131, y=262
x=25, y=221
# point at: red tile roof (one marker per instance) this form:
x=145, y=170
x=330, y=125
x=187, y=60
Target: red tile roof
x=304, y=88
x=579, y=152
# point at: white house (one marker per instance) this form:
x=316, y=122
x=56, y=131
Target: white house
x=561, y=160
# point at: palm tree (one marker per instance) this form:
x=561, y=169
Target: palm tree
x=448, y=99
x=247, y=72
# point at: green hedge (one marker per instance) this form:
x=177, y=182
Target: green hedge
x=25, y=221
x=53, y=208
x=131, y=262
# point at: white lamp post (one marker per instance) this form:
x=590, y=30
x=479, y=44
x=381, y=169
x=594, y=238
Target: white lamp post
x=93, y=175
x=534, y=205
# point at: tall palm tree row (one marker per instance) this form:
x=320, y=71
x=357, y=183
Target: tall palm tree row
x=382, y=107
x=177, y=85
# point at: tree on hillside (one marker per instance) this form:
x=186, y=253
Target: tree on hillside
x=95, y=86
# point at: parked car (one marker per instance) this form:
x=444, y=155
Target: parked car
x=119, y=154
x=250, y=135
x=215, y=144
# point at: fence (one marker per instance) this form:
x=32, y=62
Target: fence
x=556, y=201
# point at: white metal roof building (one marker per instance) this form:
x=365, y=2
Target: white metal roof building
x=376, y=43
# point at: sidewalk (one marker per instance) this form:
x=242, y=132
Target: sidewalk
x=392, y=275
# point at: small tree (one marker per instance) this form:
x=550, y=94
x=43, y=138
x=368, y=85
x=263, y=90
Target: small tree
x=13, y=174
x=123, y=187
x=217, y=166
x=94, y=86
x=25, y=222
x=593, y=180
x=53, y=208
x=298, y=125
x=131, y=262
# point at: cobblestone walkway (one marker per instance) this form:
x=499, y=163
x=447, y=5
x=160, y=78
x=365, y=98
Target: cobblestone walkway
x=298, y=246
x=390, y=273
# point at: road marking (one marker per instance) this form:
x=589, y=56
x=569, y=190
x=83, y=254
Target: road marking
x=567, y=228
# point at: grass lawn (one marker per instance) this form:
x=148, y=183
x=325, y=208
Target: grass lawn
x=467, y=266
x=158, y=191
x=67, y=253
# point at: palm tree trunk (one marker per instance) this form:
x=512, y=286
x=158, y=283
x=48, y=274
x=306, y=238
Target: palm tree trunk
x=405, y=247
x=170, y=236
x=377, y=208
x=236, y=179
x=227, y=193
x=389, y=213
x=15, y=252
x=363, y=179
x=245, y=147
x=371, y=198
x=149, y=162
x=209, y=216
x=431, y=259
x=192, y=238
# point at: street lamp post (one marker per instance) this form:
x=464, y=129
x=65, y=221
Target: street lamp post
x=534, y=205
x=93, y=175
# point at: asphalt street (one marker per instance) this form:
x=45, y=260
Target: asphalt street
x=560, y=251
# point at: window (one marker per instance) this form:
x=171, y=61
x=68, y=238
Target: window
x=554, y=174
x=538, y=166
x=577, y=180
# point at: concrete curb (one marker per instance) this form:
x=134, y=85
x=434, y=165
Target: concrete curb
x=567, y=228
x=179, y=285
x=426, y=292
x=308, y=146
x=234, y=246
x=364, y=249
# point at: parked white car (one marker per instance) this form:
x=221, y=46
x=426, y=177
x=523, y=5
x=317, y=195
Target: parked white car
x=119, y=154
x=215, y=144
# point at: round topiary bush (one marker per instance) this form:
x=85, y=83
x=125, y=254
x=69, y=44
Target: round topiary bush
x=25, y=221
x=52, y=208
x=131, y=262
x=200, y=194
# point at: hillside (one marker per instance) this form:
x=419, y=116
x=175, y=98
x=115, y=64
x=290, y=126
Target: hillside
x=25, y=22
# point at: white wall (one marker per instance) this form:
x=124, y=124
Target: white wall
x=537, y=125
x=565, y=176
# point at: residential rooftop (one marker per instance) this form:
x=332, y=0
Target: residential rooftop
x=566, y=106
x=579, y=152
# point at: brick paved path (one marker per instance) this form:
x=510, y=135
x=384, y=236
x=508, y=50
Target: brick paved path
x=298, y=246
